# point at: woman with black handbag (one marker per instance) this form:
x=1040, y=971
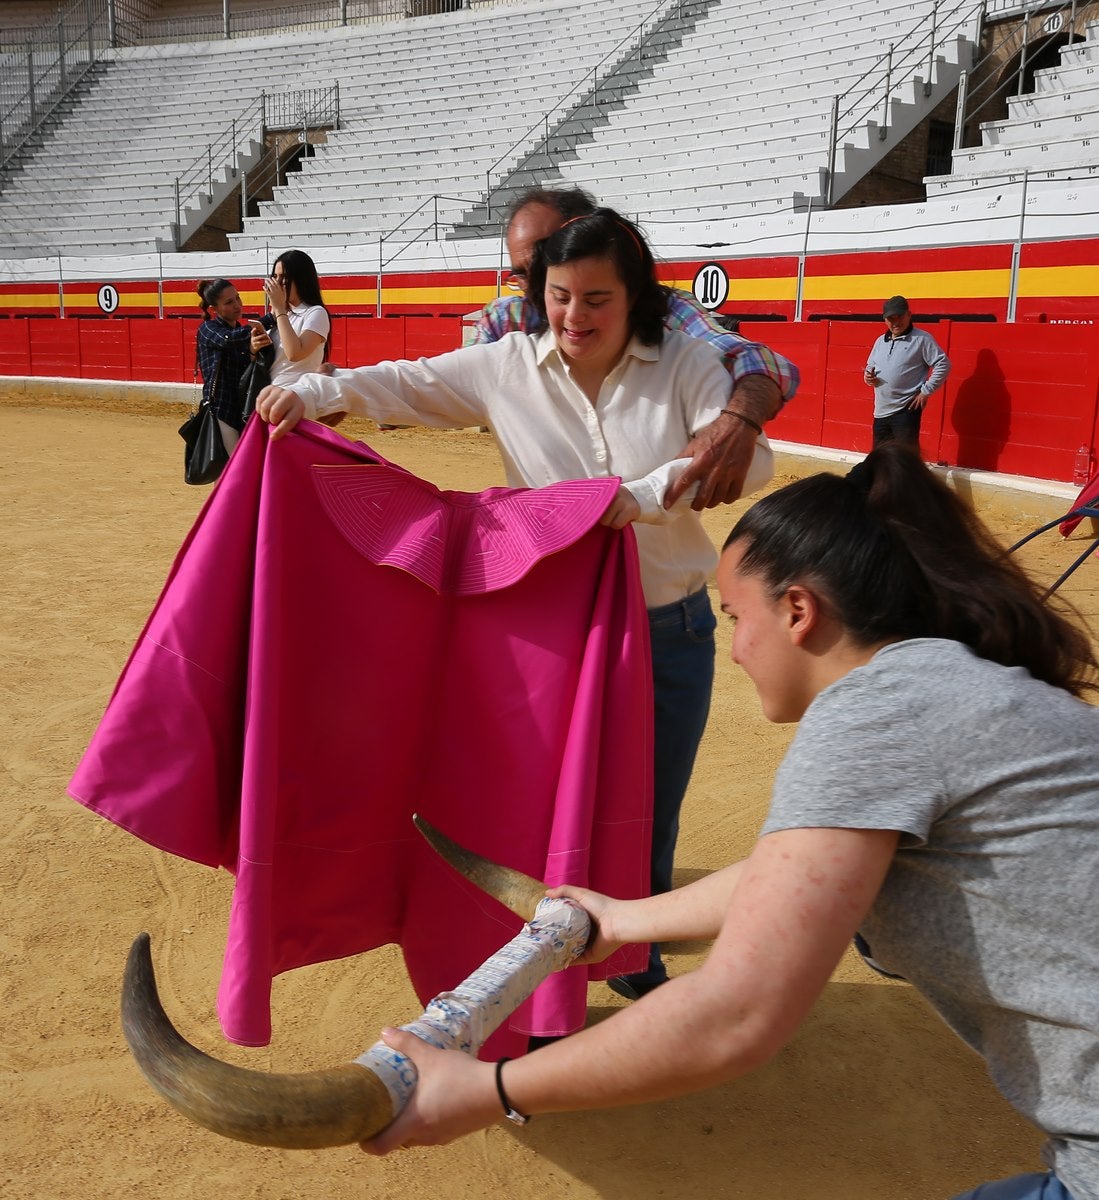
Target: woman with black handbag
x=223, y=350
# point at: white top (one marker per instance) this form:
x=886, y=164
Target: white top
x=304, y=318
x=547, y=430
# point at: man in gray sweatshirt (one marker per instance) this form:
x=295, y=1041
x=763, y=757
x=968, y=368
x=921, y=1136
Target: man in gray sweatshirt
x=905, y=366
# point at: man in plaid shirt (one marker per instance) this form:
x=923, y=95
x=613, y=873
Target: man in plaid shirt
x=762, y=381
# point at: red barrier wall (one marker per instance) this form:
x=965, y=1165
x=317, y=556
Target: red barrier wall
x=1056, y=280
x=1021, y=398
x=163, y=351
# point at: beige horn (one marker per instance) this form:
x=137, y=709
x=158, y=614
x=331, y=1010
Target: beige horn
x=308, y=1111
x=296, y=1112
x=512, y=888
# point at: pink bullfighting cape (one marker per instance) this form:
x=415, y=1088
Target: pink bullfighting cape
x=339, y=645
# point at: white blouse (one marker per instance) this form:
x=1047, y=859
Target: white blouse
x=650, y=405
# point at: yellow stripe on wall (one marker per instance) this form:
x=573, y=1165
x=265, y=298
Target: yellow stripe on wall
x=872, y=288
x=475, y=297
x=916, y=285
x=1073, y=281
x=125, y=300
x=30, y=300
x=367, y=298
x=1059, y=281
x=750, y=289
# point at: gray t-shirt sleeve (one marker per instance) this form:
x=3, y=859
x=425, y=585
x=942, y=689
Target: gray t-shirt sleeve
x=860, y=760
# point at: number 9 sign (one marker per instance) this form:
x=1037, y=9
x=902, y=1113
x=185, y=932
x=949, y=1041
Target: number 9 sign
x=107, y=298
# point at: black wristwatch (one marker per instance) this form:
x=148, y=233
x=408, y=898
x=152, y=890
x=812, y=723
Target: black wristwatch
x=512, y=1114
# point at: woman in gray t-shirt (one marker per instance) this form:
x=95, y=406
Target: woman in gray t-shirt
x=941, y=798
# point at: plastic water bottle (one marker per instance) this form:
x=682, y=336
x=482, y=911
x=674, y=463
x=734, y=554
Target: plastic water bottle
x=1081, y=471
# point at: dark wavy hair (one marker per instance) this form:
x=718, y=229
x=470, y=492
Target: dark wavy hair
x=300, y=270
x=895, y=554
x=604, y=233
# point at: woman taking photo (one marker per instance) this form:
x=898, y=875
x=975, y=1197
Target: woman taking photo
x=940, y=800
x=222, y=351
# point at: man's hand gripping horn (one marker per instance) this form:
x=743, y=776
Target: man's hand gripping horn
x=353, y=1102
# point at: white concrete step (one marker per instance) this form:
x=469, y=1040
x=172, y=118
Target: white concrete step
x=993, y=183
x=1065, y=126
x=1038, y=106
x=1042, y=154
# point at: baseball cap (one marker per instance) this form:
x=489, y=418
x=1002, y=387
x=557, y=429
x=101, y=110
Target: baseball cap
x=895, y=306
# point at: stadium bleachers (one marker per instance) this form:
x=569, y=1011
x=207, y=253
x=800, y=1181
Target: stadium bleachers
x=748, y=128
x=429, y=148
x=395, y=80
x=705, y=109
x=640, y=141
x=1049, y=135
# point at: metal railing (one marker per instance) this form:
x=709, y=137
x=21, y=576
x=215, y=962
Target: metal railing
x=872, y=94
x=39, y=72
x=311, y=108
x=414, y=235
x=588, y=87
x=301, y=112
x=248, y=18
x=195, y=184
x=996, y=10
x=975, y=98
x=306, y=108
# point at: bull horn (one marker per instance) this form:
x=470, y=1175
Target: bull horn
x=518, y=892
x=308, y=1111
x=315, y=1109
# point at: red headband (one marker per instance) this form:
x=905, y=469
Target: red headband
x=621, y=225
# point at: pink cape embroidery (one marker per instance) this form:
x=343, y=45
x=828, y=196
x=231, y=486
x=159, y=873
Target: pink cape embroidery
x=340, y=644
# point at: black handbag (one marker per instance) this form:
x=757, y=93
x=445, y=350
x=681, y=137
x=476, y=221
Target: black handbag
x=255, y=377
x=204, y=453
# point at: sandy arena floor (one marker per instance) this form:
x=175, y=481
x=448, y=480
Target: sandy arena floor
x=874, y=1098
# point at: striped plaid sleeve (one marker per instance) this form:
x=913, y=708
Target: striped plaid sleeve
x=742, y=357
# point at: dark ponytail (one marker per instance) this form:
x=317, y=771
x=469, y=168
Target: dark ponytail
x=208, y=292
x=896, y=554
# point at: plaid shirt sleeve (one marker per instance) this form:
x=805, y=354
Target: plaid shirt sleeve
x=506, y=314
x=742, y=357
x=208, y=348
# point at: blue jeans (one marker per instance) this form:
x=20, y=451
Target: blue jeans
x=682, y=639
x=1042, y=1185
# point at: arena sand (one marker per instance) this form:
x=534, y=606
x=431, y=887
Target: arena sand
x=874, y=1098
